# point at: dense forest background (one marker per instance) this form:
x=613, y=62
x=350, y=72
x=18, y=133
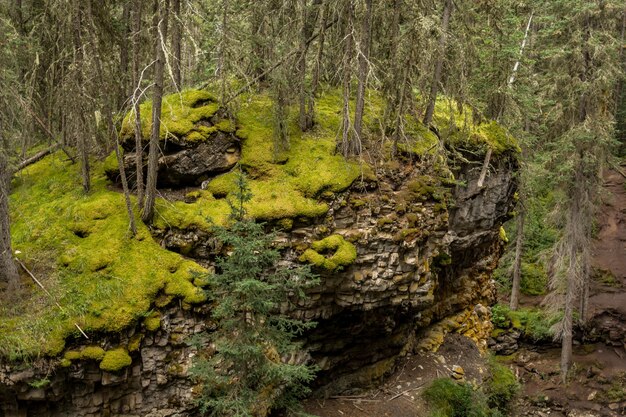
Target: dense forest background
x=552, y=72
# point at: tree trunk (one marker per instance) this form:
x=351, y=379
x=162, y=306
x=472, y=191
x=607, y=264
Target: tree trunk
x=568, y=314
x=222, y=61
x=363, y=70
x=176, y=41
x=78, y=61
x=308, y=21
x=441, y=51
x=8, y=269
x=350, y=144
x=112, y=131
x=153, y=155
x=123, y=87
x=517, y=264
x=136, y=92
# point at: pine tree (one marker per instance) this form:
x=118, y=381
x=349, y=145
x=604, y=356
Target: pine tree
x=248, y=375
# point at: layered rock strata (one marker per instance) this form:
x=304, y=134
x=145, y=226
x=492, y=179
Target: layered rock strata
x=425, y=251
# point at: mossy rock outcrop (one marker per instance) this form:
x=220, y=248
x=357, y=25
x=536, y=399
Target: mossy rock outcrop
x=196, y=137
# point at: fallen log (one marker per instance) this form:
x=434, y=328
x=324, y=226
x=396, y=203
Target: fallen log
x=37, y=157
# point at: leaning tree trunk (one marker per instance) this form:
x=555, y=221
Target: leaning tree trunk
x=8, y=269
x=434, y=85
x=153, y=155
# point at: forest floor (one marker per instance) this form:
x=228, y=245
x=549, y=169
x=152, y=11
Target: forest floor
x=597, y=386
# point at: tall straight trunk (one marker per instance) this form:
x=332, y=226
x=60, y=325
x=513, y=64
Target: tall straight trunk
x=112, y=131
x=441, y=51
x=308, y=22
x=317, y=64
x=161, y=13
x=568, y=316
x=364, y=52
x=222, y=61
x=78, y=61
x=517, y=264
x=136, y=90
x=8, y=269
x=258, y=47
x=124, y=61
x=349, y=146
x=176, y=41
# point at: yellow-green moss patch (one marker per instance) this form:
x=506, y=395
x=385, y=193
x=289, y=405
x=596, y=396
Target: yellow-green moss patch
x=92, y=352
x=153, y=322
x=81, y=247
x=180, y=113
x=343, y=253
x=115, y=360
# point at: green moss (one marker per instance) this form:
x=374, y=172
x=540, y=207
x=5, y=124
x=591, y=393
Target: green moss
x=71, y=355
x=92, y=352
x=135, y=342
x=459, y=129
x=65, y=363
x=104, y=279
x=179, y=115
x=115, y=360
x=418, y=139
x=343, y=253
x=153, y=322
x=502, y=234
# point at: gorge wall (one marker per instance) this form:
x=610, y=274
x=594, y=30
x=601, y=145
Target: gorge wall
x=405, y=250
x=422, y=269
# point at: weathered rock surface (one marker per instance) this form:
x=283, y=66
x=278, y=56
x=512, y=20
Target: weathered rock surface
x=422, y=270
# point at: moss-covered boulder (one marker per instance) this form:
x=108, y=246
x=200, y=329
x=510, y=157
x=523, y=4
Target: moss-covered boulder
x=196, y=138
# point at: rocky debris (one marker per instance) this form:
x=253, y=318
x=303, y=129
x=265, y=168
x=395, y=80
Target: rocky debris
x=506, y=343
x=457, y=372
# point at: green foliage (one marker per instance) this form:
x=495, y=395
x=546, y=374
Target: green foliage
x=534, y=280
x=115, y=360
x=448, y=398
x=534, y=323
x=343, y=253
x=501, y=387
x=247, y=374
x=40, y=383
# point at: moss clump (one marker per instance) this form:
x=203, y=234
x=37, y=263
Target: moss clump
x=104, y=279
x=343, y=253
x=135, y=342
x=71, y=355
x=180, y=113
x=92, y=352
x=115, y=360
x=502, y=234
x=458, y=128
x=153, y=322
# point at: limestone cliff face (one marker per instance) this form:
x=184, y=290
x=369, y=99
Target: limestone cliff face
x=425, y=254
